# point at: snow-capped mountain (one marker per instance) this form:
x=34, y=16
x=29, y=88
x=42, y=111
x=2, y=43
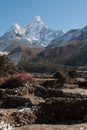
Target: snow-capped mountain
x=74, y=34
x=39, y=33
x=36, y=33
x=16, y=31
x=55, y=43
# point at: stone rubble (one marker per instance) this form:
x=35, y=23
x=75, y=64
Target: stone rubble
x=5, y=126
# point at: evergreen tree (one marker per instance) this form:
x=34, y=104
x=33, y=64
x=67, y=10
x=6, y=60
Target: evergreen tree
x=6, y=67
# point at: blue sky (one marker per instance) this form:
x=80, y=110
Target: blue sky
x=57, y=14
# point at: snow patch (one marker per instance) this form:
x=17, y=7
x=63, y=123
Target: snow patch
x=3, y=53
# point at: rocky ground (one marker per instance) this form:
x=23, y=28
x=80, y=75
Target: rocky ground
x=33, y=106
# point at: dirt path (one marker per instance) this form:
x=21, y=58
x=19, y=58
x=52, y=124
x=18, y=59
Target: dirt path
x=82, y=126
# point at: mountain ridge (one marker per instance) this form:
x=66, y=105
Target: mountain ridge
x=36, y=33
x=57, y=45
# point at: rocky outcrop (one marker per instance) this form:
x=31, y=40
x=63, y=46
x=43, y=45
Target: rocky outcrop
x=40, y=91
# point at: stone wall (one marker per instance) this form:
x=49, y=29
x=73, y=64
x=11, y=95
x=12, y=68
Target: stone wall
x=71, y=107
x=14, y=102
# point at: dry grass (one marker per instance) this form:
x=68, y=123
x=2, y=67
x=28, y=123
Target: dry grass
x=16, y=80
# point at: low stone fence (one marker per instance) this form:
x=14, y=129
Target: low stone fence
x=56, y=109
x=14, y=102
x=60, y=93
